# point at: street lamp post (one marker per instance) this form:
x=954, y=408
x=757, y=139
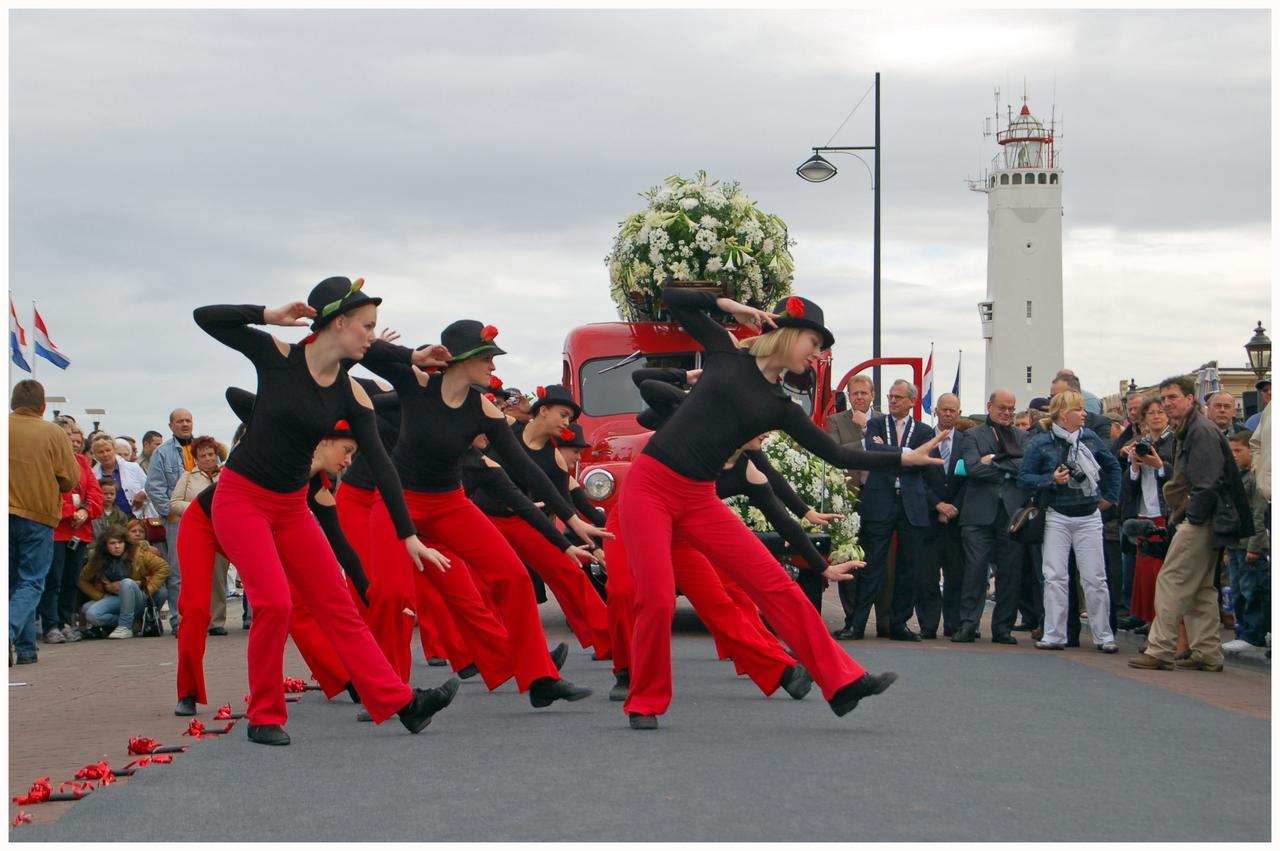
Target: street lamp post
x=818, y=169
x=1259, y=350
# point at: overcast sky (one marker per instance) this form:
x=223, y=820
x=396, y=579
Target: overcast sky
x=476, y=164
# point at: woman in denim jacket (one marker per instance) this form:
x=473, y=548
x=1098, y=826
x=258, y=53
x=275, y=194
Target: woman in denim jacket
x=1078, y=477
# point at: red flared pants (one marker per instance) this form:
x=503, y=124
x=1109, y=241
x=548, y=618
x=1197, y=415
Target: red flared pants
x=660, y=507
x=513, y=646
x=273, y=540
x=583, y=609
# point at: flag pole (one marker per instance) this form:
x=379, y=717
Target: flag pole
x=33, y=339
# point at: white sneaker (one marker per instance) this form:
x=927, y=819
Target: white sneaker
x=121, y=632
x=1238, y=645
x=54, y=636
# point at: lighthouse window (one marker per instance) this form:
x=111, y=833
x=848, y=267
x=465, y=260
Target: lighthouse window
x=1004, y=180
x=1053, y=178
x=993, y=180
x=1028, y=375
x=1017, y=179
x=1028, y=308
x=1043, y=177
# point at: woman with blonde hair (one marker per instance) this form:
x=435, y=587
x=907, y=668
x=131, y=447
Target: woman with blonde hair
x=1079, y=478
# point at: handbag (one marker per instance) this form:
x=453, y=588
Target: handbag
x=152, y=625
x=155, y=530
x=1026, y=526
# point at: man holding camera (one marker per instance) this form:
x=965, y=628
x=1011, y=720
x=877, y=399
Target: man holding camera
x=1200, y=510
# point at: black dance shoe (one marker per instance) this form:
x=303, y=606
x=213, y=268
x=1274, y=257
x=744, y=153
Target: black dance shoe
x=186, y=706
x=468, y=672
x=621, y=686
x=437, y=662
x=902, y=633
x=796, y=681
x=846, y=699
x=930, y=635
x=1003, y=638
x=547, y=691
x=268, y=734
x=849, y=634
x=1022, y=627
x=426, y=703
x=643, y=722
x=351, y=690
x=963, y=635
x=559, y=654
x=217, y=630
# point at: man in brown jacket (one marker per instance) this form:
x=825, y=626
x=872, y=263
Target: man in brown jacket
x=41, y=469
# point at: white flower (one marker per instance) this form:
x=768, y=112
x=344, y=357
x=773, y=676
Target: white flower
x=715, y=198
x=688, y=203
x=705, y=239
x=653, y=219
x=767, y=247
x=655, y=256
x=708, y=222
x=714, y=265
x=642, y=238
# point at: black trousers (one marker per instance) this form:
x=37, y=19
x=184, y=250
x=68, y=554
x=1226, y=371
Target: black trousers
x=984, y=545
x=810, y=582
x=945, y=552
x=877, y=538
x=1031, y=591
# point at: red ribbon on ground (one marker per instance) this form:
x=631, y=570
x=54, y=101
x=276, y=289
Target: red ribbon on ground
x=39, y=793
x=100, y=771
x=143, y=762
x=292, y=685
x=78, y=788
x=21, y=818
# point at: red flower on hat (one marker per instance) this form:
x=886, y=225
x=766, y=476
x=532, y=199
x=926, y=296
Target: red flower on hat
x=488, y=333
x=495, y=382
x=795, y=308
x=342, y=425
x=566, y=435
x=491, y=397
x=542, y=392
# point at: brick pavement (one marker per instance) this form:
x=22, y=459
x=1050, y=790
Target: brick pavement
x=84, y=701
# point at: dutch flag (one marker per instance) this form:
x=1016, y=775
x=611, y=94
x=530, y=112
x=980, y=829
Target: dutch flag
x=45, y=348
x=926, y=389
x=17, y=340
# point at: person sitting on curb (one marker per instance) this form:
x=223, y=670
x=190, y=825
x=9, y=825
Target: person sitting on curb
x=115, y=579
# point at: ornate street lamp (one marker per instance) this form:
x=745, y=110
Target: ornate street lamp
x=1259, y=351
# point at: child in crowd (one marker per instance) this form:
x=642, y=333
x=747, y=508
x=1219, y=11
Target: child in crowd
x=137, y=530
x=1249, y=562
x=116, y=579
x=112, y=515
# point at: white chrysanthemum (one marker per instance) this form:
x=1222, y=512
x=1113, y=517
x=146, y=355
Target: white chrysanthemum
x=705, y=240
x=715, y=198
x=688, y=203
x=655, y=256
x=641, y=269
x=767, y=246
x=708, y=222
x=715, y=264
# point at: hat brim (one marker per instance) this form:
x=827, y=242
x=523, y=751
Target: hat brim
x=490, y=349
x=541, y=403
x=358, y=299
x=828, y=339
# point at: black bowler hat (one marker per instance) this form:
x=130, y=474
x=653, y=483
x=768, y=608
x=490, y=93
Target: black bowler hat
x=572, y=437
x=556, y=394
x=468, y=338
x=333, y=297
x=799, y=312
x=242, y=401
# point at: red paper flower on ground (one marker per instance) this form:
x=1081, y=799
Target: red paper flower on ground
x=488, y=333
x=97, y=771
x=195, y=728
x=143, y=762
x=224, y=713
x=21, y=818
x=78, y=788
x=795, y=308
x=292, y=685
x=40, y=792
x=141, y=745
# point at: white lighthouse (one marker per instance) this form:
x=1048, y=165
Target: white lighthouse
x=1022, y=314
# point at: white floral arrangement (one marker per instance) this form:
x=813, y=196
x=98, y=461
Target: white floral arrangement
x=820, y=485
x=699, y=231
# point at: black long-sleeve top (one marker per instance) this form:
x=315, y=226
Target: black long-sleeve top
x=386, y=411
x=491, y=489
x=733, y=402
x=327, y=517
x=293, y=413
x=661, y=392
x=434, y=437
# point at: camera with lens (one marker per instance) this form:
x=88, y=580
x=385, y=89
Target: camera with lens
x=1144, y=447
x=1077, y=475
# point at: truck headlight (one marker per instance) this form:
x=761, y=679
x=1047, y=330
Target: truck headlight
x=598, y=484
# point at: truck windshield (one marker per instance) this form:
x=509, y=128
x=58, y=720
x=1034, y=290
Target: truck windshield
x=614, y=392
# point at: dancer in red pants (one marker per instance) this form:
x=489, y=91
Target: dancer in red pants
x=670, y=496
x=441, y=415
x=260, y=511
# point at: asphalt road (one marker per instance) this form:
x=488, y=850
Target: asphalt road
x=1026, y=747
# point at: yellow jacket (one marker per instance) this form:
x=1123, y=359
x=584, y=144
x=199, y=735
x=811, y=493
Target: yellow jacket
x=41, y=468
x=149, y=571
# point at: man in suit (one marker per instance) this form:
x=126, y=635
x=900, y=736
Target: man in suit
x=992, y=455
x=946, y=550
x=847, y=428
x=892, y=502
